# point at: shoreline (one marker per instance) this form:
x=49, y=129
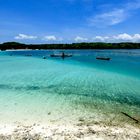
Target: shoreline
x=78, y=131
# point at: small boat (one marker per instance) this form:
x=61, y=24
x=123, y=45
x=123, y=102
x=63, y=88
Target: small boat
x=103, y=58
x=61, y=55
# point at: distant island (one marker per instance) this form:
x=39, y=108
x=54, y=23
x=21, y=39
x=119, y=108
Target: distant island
x=96, y=45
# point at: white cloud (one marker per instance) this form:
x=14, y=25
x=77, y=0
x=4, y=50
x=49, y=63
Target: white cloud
x=49, y=38
x=136, y=38
x=80, y=39
x=101, y=38
x=125, y=37
x=52, y=38
x=115, y=15
x=111, y=18
x=118, y=38
x=23, y=36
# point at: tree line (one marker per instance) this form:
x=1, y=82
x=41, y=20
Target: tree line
x=96, y=45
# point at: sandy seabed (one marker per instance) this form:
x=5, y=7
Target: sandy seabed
x=79, y=131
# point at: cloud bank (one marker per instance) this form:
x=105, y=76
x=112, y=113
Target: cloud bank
x=118, y=38
x=110, y=39
x=124, y=37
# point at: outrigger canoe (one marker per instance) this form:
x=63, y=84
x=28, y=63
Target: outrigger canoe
x=60, y=55
x=103, y=58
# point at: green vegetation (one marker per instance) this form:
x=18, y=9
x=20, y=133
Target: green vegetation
x=97, y=45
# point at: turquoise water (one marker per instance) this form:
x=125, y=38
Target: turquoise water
x=33, y=89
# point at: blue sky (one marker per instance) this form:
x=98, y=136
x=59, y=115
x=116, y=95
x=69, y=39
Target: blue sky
x=66, y=21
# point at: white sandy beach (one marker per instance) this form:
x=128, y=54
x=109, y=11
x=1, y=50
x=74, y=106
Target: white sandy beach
x=82, y=130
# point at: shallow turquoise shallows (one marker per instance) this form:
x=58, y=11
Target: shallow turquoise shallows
x=33, y=89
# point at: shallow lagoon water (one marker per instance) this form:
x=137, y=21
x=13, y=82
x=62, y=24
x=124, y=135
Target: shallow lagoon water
x=33, y=89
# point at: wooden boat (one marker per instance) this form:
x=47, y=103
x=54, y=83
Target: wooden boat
x=103, y=58
x=61, y=55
